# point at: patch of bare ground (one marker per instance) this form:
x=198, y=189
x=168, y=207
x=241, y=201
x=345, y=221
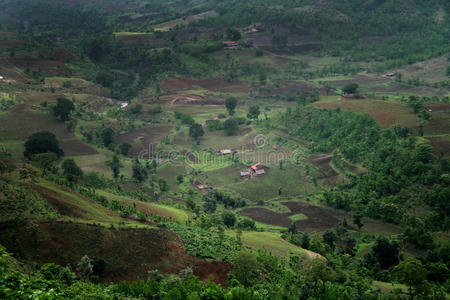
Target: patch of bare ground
x=318, y=219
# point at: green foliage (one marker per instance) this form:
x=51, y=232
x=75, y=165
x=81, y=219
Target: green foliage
x=42, y=142
x=386, y=252
x=229, y=218
x=253, y=112
x=139, y=172
x=115, y=165
x=63, y=108
x=350, y=88
x=55, y=272
x=412, y=273
x=18, y=201
x=230, y=104
x=107, y=136
x=124, y=148
x=71, y=171
x=196, y=131
x=185, y=119
x=214, y=125
x=230, y=126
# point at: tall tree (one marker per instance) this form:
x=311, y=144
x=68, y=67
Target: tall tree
x=230, y=104
x=63, y=108
x=42, y=142
x=253, y=112
x=196, y=131
x=71, y=171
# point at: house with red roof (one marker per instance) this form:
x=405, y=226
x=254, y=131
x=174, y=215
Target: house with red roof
x=258, y=169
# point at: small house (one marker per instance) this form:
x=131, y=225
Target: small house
x=259, y=166
x=348, y=96
x=260, y=172
x=245, y=174
x=390, y=75
x=230, y=45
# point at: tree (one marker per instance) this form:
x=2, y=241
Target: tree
x=293, y=228
x=115, y=166
x=180, y=179
x=124, y=148
x=228, y=218
x=210, y=206
x=386, y=252
x=71, y=171
x=233, y=34
x=98, y=266
x=107, y=135
x=306, y=240
x=42, y=142
x=196, y=131
x=63, y=108
x=85, y=268
x=230, y=104
x=279, y=41
x=139, y=171
x=412, y=273
x=245, y=268
x=350, y=88
x=253, y=112
x=46, y=162
x=330, y=238
x=230, y=126
x=357, y=220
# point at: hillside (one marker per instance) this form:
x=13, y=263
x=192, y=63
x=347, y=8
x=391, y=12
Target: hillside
x=193, y=149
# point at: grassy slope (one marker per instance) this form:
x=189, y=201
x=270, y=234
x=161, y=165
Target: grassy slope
x=150, y=208
x=275, y=244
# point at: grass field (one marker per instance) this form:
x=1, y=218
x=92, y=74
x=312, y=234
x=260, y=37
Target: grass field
x=385, y=113
x=292, y=180
x=275, y=244
x=150, y=208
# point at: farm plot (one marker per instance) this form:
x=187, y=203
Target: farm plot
x=142, y=139
x=441, y=143
x=440, y=119
x=314, y=218
x=326, y=172
x=385, y=113
x=291, y=181
x=213, y=85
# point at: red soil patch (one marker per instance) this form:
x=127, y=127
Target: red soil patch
x=179, y=84
x=439, y=143
x=7, y=44
x=142, y=38
x=440, y=119
x=63, y=55
x=43, y=65
x=385, y=113
x=290, y=86
x=74, y=147
x=318, y=218
x=219, y=271
x=129, y=252
x=267, y=216
x=144, y=140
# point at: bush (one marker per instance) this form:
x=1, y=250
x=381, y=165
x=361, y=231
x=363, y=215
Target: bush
x=42, y=142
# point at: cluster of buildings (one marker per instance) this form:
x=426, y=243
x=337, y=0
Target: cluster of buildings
x=255, y=170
